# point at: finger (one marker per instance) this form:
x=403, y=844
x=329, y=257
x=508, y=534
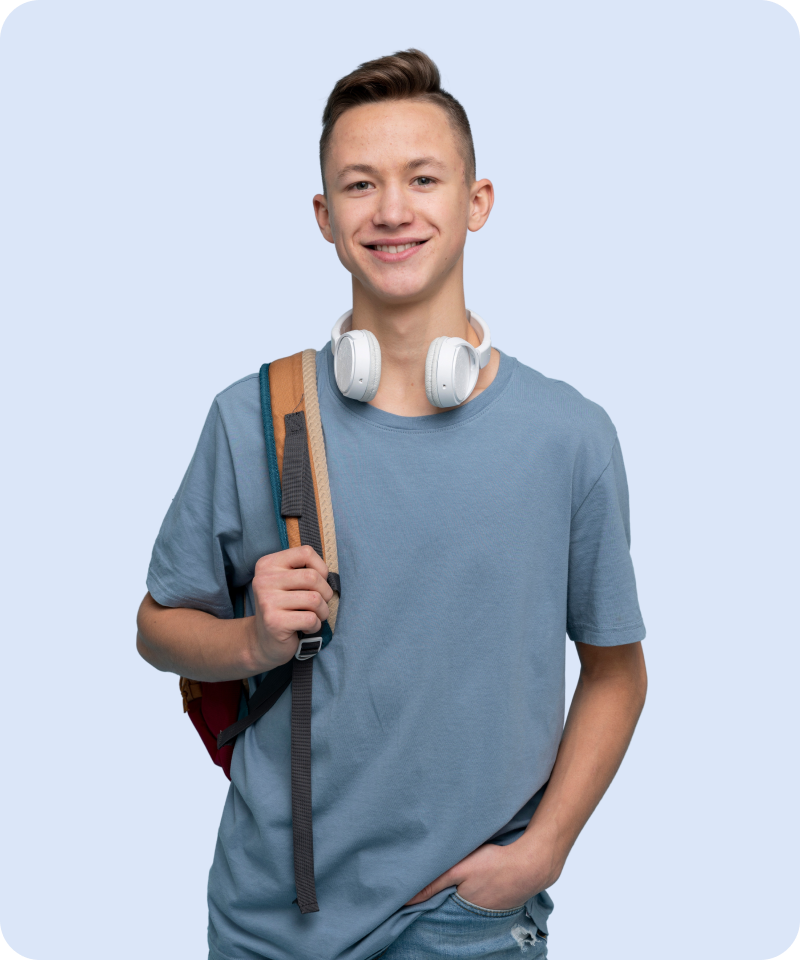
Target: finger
x=302, y=563
x=311, y=623
x=299, y=621
x=302, y=600
x=296, y=599
x=301, y=578
x=440, y=883
x=305, y=556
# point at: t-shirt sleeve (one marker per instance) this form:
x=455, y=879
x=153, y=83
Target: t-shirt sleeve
x=200, y=539
x=602, y=606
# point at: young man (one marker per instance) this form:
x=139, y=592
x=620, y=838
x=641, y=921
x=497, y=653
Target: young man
x=472, y=537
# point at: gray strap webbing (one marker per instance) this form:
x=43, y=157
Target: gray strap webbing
x=302, y=834
x=265, y=697
x=335, y=583
x=297, y=484
x=298, y=500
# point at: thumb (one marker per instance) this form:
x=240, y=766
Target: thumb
x=447, y=879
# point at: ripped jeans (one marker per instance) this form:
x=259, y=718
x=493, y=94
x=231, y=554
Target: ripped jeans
x=460, y=930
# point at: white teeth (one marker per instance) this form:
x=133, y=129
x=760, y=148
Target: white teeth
x=399, y=248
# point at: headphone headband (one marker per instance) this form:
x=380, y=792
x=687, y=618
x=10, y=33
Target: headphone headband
x=484, y=351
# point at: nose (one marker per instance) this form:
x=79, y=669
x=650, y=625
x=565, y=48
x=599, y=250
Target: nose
x=393, y=209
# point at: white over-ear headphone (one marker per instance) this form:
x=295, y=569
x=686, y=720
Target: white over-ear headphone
x=451, y=367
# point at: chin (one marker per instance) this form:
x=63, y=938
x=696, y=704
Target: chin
x=399, y=293
x=397, y=288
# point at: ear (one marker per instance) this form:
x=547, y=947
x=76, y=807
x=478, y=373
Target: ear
x=323, y=215
x=481, y=201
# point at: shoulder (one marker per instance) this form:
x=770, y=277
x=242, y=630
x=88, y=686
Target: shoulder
x=567, y=425
x=241, y=401
x=559, y=406
x=237, y=392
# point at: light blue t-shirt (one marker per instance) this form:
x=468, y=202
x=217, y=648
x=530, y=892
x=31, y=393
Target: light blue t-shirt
x=471, y=542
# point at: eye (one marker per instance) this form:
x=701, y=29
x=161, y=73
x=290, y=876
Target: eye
x=424, y=181
x=361, y=185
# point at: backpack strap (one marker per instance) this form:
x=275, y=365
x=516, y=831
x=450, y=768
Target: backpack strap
x=300, y=513
x=301, y=498
x=299, y=446
x=319, y=463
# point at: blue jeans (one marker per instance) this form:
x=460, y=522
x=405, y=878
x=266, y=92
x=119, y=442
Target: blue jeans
x=460, y=930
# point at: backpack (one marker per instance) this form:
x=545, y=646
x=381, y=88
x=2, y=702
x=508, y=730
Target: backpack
x=298, y=477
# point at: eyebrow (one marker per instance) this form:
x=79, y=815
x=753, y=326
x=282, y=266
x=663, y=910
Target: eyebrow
x=424, y=162
x=371, y=171
x=356, y=168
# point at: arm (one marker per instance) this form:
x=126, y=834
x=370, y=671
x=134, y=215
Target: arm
x=607, y=703
x=290, y=592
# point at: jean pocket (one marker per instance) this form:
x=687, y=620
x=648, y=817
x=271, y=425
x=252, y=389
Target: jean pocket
x=474, y=908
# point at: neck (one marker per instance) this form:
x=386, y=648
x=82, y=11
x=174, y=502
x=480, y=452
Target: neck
x=405, y=332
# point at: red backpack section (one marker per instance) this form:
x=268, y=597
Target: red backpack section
x=212, y=713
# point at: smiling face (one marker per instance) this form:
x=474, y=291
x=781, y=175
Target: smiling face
x=397, y=206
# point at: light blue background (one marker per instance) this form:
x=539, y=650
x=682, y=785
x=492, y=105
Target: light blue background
x=157, y=163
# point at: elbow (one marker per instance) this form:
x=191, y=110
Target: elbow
x=141, y=649
x=147, y=650
x=146, y=653
x=146, y=647
x=640, y=687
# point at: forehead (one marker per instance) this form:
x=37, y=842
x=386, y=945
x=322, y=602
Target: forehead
x=391, y=133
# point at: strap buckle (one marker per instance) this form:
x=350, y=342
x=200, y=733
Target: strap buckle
x=308, y=647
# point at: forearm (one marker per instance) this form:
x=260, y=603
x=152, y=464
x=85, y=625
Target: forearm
x=196, y=644
x=605, y=709
x=290, y=593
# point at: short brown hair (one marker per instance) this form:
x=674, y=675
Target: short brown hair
x=405, y=75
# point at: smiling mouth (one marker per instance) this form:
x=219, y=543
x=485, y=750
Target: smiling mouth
x=394, y=248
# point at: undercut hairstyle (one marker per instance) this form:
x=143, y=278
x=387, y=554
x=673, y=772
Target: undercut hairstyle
x=405, y=75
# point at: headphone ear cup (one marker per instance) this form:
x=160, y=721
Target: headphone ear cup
x=344, y=363
x=374, y=379
x=431, y=367
x=357, y=365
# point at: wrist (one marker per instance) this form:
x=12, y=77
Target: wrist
x=253, y=658
x=262, y=652
x=543, y=844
